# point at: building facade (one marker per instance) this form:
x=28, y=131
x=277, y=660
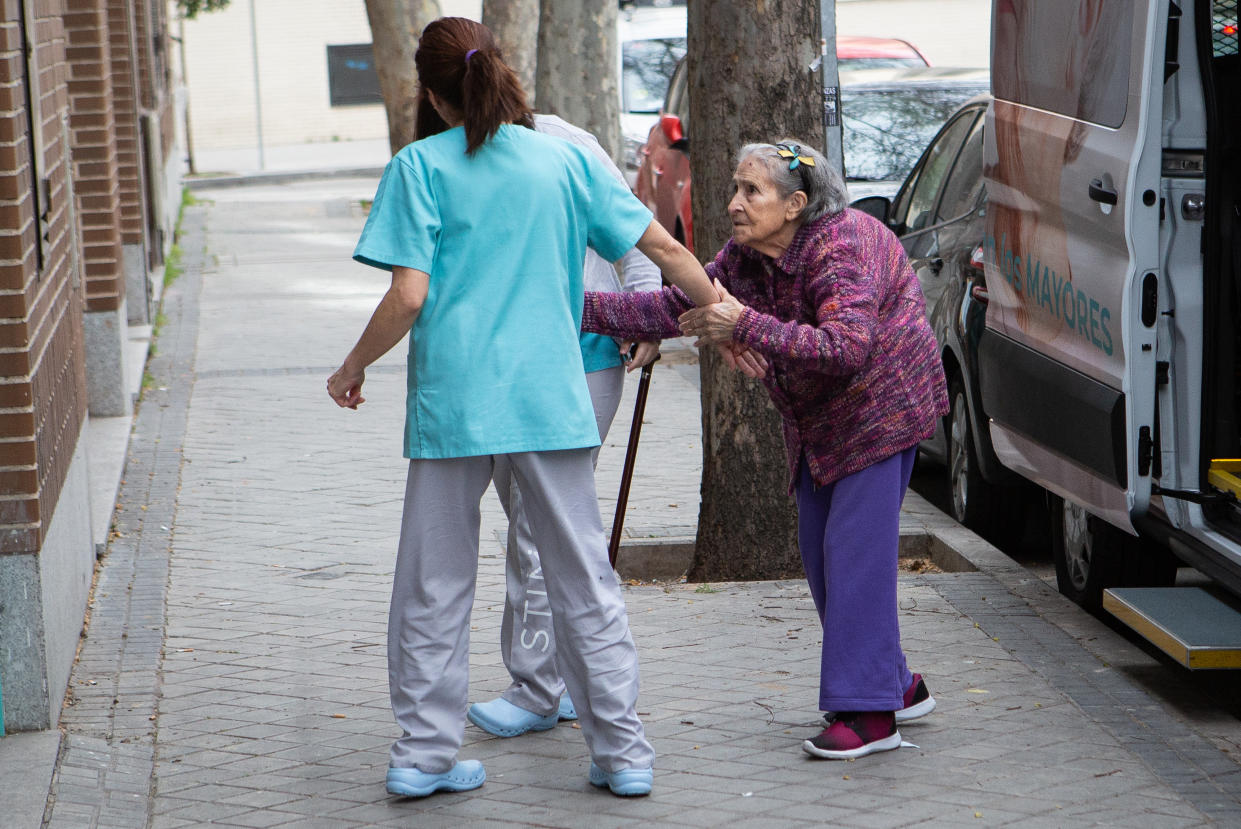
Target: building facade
x=297, y=74
x=89, y=184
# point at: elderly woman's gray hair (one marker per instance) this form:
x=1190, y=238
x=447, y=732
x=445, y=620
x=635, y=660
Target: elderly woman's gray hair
x=824, y=188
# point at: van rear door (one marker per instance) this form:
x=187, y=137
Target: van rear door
x=1067, y=360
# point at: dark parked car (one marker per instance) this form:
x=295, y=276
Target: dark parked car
x=888, y=115
x=938, y=214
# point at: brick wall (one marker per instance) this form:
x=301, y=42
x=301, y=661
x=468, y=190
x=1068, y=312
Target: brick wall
x=122, y=39
x=42, y=370
x=96, y=175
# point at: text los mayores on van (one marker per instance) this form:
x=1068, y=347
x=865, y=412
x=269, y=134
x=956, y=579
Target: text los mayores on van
x=1039, y=285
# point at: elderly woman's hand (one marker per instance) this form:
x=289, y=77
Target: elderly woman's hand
x=712, y=324
x=744, y=359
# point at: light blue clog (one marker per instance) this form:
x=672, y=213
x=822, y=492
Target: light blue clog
x=503, y=719
x=626, y=782
x=465, y=775
x=567, y=711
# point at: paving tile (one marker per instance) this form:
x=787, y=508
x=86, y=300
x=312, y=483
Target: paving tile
x=263, y=618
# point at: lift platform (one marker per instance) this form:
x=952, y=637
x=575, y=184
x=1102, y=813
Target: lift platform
x=1225, y=475
x=1187, y=623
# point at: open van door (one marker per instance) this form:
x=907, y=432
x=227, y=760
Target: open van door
x=1072, y=167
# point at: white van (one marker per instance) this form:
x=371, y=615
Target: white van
x=1110, y=365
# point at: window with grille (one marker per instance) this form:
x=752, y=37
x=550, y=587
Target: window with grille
x=351, y=75
x=1224, y=40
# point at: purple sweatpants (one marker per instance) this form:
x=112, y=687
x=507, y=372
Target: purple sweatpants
x=849, y=534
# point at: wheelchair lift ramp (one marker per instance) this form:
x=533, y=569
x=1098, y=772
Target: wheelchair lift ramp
x=1187, y=623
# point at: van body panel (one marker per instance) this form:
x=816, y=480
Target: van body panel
x=1072, y=167
x=1048, y=469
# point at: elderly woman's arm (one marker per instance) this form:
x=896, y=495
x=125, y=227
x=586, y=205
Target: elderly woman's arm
x=652, y=314
x=644, y=315
x=846, y=302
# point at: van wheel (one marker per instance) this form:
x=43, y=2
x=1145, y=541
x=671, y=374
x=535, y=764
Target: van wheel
x=1086, y=552
x=973, y=501
x=1092, y=555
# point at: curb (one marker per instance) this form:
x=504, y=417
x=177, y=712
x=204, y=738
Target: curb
x=279, y=177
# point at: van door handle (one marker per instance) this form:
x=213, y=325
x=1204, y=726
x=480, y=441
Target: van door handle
x=1101, y=193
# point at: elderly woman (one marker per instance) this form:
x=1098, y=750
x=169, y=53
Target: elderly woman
x=826, y=295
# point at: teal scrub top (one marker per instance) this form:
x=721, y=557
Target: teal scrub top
x=599, y=352
x=494, y=361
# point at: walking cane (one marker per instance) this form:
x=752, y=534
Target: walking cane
x=631, y=455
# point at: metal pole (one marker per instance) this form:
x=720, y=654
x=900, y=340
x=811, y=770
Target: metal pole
x=258, y=97
x=831, y=86
x=631, y=456
x=185, y=84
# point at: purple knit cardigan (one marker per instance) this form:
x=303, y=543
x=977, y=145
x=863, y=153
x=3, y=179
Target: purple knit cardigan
x=855, y=371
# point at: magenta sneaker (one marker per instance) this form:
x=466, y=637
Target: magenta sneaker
x=855, y=734
x=918, y=701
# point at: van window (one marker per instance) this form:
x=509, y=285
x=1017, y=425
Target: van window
x=1066, y=56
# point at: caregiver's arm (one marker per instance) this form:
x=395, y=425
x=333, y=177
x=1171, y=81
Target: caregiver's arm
x=678, y=264
x=389, y=324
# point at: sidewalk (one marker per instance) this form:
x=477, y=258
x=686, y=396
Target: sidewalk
x=234, y=669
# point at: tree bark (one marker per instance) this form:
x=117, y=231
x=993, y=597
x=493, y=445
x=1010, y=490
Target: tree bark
x=577, y=67
x=515, y=23
x=749, y=80
x=396, y=26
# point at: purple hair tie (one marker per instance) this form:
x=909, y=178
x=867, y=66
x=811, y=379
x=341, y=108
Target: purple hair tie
x=469, y=55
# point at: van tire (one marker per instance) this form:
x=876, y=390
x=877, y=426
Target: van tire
x=1092, y=555
x=972, y=498
x=1086, y=551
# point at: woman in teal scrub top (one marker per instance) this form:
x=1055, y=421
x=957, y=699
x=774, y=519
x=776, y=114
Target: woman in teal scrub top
x=484, y=224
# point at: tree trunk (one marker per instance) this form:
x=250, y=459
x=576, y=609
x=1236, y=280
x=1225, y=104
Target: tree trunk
x=395, y=28
x=748, y=81
x=515, y=23
x=577, y=67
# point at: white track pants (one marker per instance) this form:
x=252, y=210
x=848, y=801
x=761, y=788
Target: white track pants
x=433, y=591
x=527, y=638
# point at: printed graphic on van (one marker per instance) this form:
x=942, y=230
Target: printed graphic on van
x=1044, y=288
x=1057, y=160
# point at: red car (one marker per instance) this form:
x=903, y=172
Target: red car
x=663, y=182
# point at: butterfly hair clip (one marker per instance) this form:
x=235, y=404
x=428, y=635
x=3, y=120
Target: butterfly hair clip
x=793, y=153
